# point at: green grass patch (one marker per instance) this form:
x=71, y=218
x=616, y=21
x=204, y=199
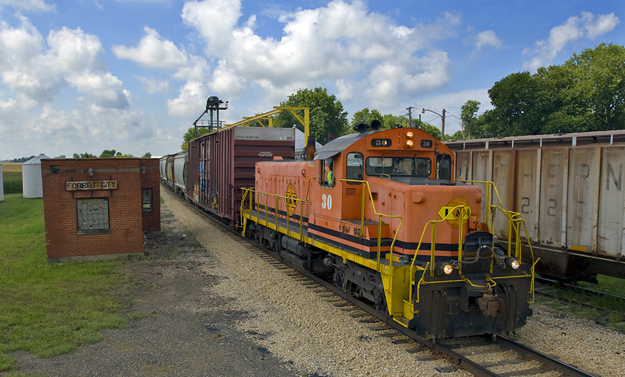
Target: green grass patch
x=49, y=309
x=606, y=284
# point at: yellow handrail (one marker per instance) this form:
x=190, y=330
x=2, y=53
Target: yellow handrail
x=301, y=202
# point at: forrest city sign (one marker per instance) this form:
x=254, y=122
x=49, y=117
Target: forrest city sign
x=91, y=185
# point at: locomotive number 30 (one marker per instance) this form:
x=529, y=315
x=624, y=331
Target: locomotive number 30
x=326, y=201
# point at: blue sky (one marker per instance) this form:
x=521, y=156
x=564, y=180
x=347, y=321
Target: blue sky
x=132, y=75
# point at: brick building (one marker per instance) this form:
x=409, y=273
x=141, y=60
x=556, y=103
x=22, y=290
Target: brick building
x=99, y=208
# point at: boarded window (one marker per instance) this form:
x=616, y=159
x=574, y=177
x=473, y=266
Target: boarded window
x=92, y=216
x=146, y=197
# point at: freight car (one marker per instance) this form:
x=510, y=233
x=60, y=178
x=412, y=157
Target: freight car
x=569, y=189
x=221, y=163
x=380, y=213
x=173, y=168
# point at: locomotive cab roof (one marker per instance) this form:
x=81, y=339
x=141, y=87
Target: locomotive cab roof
x=396, y=144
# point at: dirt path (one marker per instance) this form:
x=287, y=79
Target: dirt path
x=186, y=329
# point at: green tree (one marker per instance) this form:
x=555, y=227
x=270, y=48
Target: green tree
x=107, y=153
x=120, y=154
x=147, y=155
x=61, y=156
x=190, y=135
x=458, y=135
x=517, y=107
x=391, y=120
x=84, y=155
x=601, y=81
x=470, y=123
x=327, y=117
x=366, y=116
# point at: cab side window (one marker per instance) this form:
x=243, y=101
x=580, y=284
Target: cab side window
x=326, y=172
x=354, y=169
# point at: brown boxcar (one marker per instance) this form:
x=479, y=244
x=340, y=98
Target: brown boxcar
x=222, y=162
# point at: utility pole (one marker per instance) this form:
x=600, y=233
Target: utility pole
x=409, y=116
x=442, y=118
x=443, y=127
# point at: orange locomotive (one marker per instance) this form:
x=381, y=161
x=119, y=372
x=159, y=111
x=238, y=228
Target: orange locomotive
x=380, y=213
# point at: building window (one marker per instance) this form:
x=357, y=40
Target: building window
x=147, y=200
x=92, y=216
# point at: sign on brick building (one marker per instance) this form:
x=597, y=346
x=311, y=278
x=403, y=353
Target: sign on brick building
x=98, y=208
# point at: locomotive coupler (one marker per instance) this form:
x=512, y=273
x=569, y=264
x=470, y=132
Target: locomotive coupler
x=490, y=305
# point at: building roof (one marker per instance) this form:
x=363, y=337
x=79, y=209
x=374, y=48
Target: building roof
x=35, y=160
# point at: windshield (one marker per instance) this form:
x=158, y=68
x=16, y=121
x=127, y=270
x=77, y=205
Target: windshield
x=399, y=166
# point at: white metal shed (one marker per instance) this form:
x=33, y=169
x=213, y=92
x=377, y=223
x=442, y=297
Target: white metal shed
x=32, y=186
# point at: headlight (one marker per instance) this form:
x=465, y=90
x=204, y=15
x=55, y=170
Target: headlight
x=409, y=135
x=409, y=143
x=514, y=263
x=443, y=268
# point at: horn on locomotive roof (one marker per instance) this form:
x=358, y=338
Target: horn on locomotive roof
x=361, y=127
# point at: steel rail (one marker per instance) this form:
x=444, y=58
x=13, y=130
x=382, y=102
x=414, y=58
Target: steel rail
x=559, y=366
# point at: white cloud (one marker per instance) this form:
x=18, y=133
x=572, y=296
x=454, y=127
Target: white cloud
x=192, y=97
x=196, y=70
x=486, y=38
x=36, y=72
x=152, y=85
x=341, y=41
x=153, y=51
x=586, y=26
x=29, y=5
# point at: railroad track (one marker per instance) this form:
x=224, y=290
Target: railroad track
x=461, y=353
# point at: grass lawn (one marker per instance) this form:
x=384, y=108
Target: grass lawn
x=49, y=309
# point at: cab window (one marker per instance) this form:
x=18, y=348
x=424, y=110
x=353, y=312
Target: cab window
x=354, y=169
x=399, y=166
x=326, y=172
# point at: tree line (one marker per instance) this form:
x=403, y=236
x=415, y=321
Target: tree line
x=586, y=93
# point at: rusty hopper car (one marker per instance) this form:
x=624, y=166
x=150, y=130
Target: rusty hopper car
x=221, y=163
x=379, y=212
x=569, y=189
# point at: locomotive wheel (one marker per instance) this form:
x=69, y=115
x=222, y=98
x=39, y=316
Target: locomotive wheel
x=380, y=300
x=338, y=278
